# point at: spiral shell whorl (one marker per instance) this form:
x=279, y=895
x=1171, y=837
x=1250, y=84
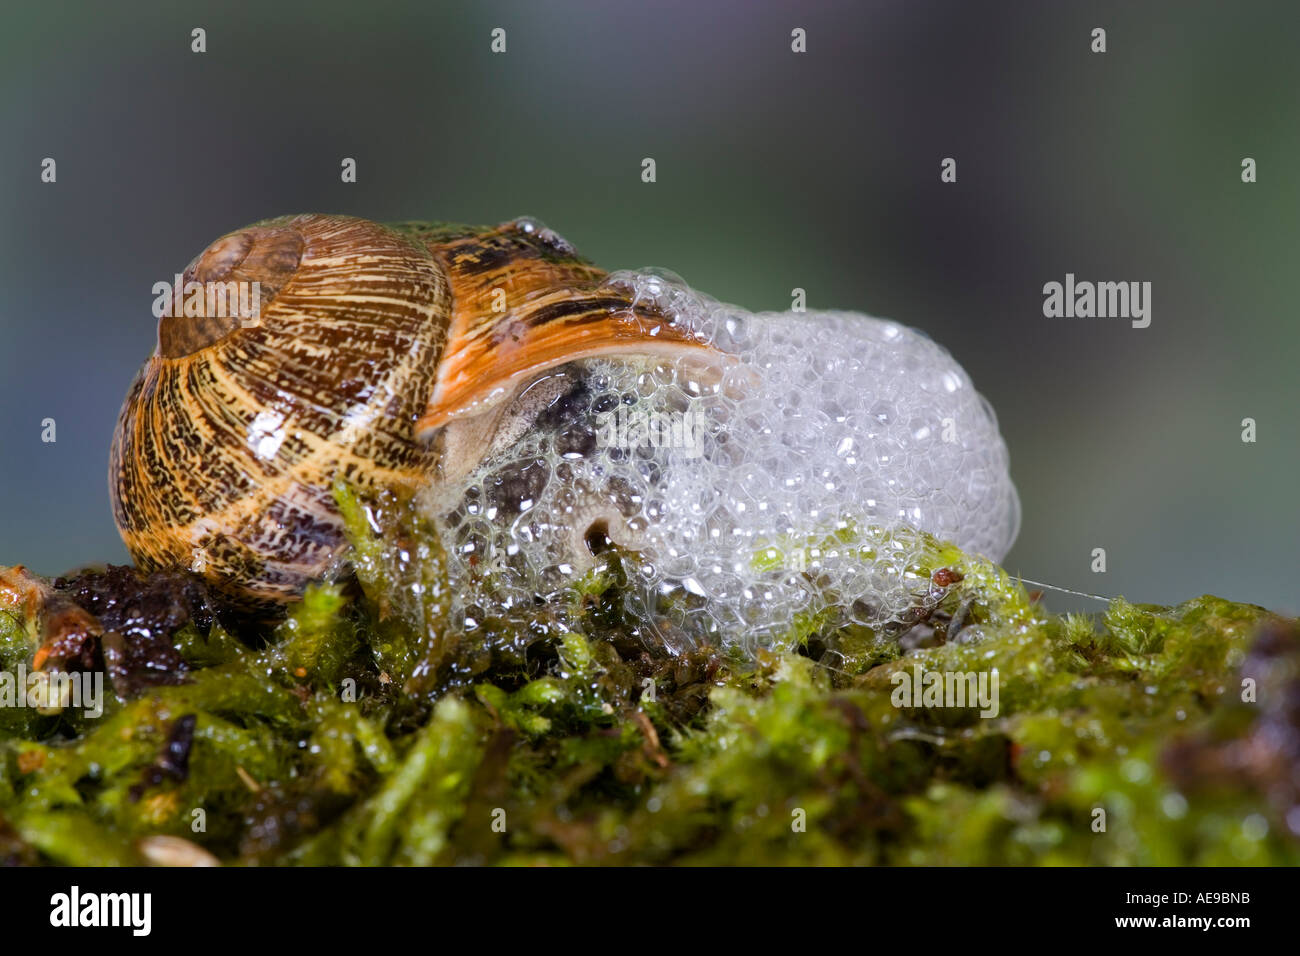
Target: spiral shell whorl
x=231, y=436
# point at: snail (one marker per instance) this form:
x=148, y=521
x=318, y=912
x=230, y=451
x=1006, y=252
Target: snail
x=539, y=410
x=381, y=355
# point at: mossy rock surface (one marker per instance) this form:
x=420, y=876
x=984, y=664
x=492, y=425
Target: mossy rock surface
x=1145, y=735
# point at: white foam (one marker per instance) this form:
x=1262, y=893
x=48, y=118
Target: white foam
x=828, y=421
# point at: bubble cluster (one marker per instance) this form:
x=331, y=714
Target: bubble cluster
x=774, y=487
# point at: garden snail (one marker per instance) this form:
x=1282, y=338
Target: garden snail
x=381, y=355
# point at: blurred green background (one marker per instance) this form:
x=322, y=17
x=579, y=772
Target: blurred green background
x=775, y=170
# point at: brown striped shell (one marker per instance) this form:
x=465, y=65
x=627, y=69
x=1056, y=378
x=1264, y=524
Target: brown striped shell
x=378, y=356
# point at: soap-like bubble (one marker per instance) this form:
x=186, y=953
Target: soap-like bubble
x=733, y=487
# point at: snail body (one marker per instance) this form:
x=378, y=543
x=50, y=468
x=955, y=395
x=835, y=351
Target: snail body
x=380, y=355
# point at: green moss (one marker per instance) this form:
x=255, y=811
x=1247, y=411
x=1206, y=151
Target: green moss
x=346, y=735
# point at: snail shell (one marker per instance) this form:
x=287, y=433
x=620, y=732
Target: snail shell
x=380, y=355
